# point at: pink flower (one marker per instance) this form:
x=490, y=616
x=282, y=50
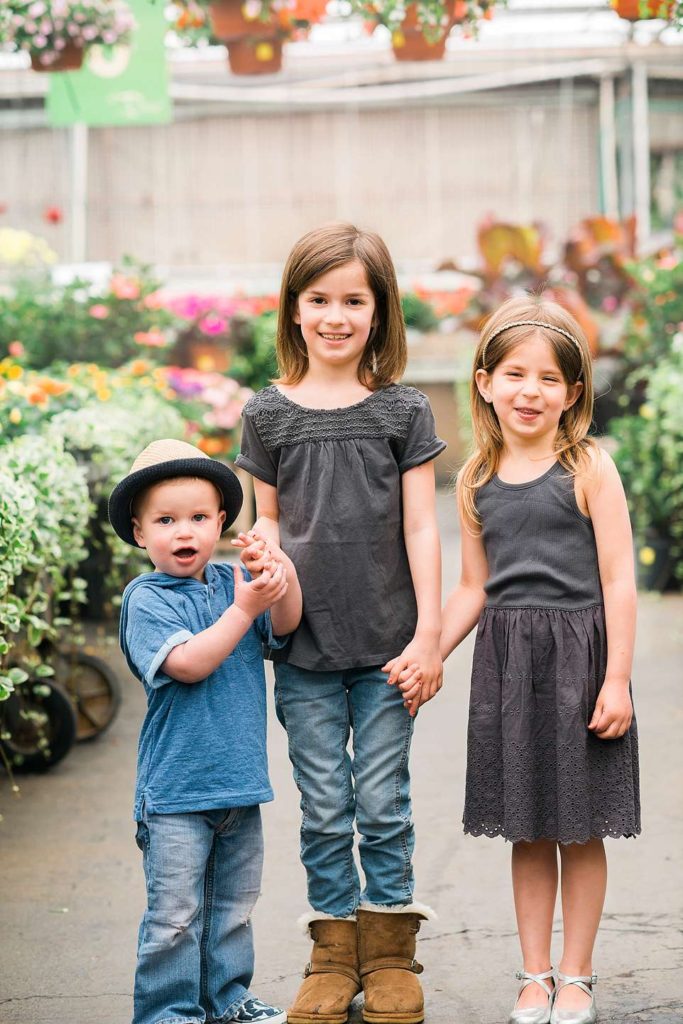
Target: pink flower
x=610, y=303
x=153, y=301
x=153, y=338
x=213, y=324
x=667, y=262
x=16, y=349
x=124, y=287
x=99, y=311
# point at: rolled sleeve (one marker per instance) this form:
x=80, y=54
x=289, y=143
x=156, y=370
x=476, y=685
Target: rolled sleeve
x=421, y=444
x=254, y=456
x=153, y=629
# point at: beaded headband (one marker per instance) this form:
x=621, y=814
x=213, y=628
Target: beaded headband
x=532, y=323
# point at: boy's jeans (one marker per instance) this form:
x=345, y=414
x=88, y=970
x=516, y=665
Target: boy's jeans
x=195, y=947
x=318, y=710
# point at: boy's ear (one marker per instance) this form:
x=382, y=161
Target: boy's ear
x=137, y=533
x=221, y=516
x=482, y=381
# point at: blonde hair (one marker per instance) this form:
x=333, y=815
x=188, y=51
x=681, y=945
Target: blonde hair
x=516, y=321
x=325, y=248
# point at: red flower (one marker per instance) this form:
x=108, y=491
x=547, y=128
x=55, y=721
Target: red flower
x=53, y=214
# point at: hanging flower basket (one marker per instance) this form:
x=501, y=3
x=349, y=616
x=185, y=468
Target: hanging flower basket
x=409, y=41
x=69, y=59
x=250, y=56
x=233, y=19
x=55, y=33
x=637, y=10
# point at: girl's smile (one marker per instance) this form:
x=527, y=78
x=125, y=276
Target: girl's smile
x=335, y=313
x=527, y=390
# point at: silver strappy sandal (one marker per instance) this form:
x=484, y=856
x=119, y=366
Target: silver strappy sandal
x=533, y=1014
x=589, y=1014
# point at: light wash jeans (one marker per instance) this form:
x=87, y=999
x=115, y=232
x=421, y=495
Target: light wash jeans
x=195, y=946
x=319, y=710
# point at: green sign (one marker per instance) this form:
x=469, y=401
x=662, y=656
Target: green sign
x=125, y=85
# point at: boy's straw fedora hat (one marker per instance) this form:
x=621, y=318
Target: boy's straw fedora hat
x=163, y=460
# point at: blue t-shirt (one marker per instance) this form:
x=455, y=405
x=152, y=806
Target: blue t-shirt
x=202, y=745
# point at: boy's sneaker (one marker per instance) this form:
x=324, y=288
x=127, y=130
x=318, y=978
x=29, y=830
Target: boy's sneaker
x=256, y=1012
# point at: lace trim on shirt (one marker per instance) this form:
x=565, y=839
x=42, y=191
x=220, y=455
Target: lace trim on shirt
x=384, y=414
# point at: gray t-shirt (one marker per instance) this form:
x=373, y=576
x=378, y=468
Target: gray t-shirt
x=338, y=478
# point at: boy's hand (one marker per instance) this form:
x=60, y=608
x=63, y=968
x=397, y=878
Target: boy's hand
x=613, y=711
x=255, y=597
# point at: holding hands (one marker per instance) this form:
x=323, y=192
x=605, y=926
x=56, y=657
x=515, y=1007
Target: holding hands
x=417, y=671
x=255, y=597
x=274, y=576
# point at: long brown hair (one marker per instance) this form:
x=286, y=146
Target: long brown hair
x=573, y=447
x=325, y=248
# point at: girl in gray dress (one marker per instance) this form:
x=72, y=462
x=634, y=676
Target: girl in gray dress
x=547, y=572
x=342, y=458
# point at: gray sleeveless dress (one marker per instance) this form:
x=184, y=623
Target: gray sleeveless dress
x=534, y=771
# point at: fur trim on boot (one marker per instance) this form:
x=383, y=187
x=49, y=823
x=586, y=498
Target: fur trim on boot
x=331, y=978
x=388, y=968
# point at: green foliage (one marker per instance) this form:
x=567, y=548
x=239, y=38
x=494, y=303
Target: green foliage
x=658, y=308
x=417, y=313
x=73, y=322
x=650, y=456
x=254, y=363
x=44, y=512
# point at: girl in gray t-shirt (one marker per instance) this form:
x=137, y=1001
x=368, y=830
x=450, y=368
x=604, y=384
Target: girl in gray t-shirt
x=342, y=459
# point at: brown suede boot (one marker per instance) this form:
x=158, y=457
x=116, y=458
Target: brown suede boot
x=331, y=978
x=388, y=968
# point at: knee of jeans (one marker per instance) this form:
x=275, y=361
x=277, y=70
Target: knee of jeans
x=167, y=921
x=383, y=805
x=329, y=820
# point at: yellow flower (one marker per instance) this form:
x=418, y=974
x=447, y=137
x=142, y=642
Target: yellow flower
x=264, y=51
x=647, y=412
x=104, y=394
x=647, y=556
x=73, y=370
x=14, y=372
x=15, y=415
x=398, y=39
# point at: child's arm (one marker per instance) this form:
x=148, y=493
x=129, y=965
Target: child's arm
x=197, y=658
x=267, y=511
x=421, y=534
x=465, y=601
x=606, y=501
x=259, y=554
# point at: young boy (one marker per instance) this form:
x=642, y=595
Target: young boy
x=192, y=633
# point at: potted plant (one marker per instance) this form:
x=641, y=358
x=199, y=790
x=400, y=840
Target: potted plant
x=56, y=33
x=252, y=30
x=642, y=10
x=419, y=30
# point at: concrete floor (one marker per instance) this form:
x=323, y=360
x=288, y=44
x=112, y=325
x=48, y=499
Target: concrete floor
x=71, y=887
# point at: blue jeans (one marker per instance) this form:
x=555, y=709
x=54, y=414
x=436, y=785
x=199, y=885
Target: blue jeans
x=195, y=946
x=319, y=710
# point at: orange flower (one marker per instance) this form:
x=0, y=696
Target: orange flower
x=154, y=338
x=124, y=287
x=138, y=367
x=36, y=396
x=212, y=445
x=53, y=387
